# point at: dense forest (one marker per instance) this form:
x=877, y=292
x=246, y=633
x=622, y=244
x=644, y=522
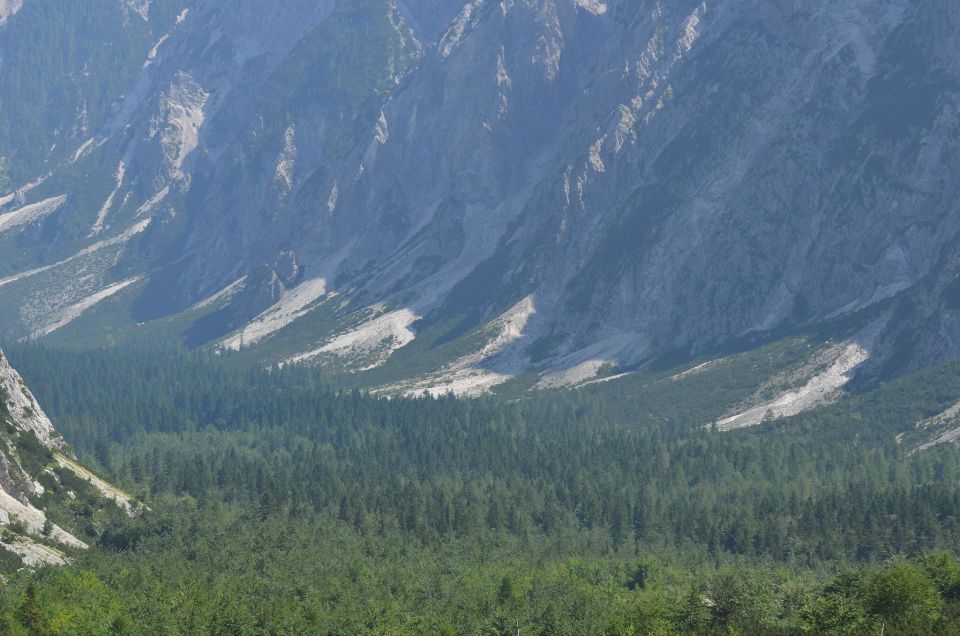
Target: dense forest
x=281, y=504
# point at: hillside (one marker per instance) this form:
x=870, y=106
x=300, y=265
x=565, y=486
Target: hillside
x=282, y=505
x=48, y=501
x=446, y=196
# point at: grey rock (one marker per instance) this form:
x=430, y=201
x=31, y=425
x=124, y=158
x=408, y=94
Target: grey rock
x=658, y=177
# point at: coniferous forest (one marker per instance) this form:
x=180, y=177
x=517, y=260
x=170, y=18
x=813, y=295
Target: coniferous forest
x=280, y=503
x=691, y=266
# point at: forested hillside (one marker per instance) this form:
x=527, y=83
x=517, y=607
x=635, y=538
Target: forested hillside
x=283, y=505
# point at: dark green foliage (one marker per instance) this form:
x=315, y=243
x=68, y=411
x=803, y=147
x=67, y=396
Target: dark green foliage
x=281, y=505
x=9, y=562
x=31, y=452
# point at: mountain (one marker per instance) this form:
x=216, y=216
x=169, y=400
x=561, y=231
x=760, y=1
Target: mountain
x=41, y=484
x=444, y=196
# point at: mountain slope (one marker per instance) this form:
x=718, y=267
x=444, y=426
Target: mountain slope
x=40, y=481
x=446, y=196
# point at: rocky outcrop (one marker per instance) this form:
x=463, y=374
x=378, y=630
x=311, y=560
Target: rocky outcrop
x=33, y=463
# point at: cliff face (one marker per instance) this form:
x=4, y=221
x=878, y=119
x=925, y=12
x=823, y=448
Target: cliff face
x=557, y=185
x=39, y=481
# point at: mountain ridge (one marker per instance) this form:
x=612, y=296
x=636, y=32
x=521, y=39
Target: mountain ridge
x=617, y=182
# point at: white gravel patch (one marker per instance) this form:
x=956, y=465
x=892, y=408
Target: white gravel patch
x=96, y=247
x=294, y=304
x=823, y=388
x=948, y=417
x=378, y=337
x=74, y=311
x=35, y=554
x=30, y=213
x=474, y=374
x=11, y=509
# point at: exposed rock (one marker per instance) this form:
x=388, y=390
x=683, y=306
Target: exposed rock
x=27, y=439
x=287, y=268
x=656, y=177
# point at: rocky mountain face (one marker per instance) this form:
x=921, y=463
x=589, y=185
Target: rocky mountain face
x=41, y=482
x=443, y=195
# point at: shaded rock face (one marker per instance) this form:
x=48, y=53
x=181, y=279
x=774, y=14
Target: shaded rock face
x=653, y=176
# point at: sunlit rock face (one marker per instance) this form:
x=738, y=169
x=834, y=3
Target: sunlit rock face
x=34, y=466
x=647, y=177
